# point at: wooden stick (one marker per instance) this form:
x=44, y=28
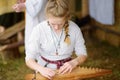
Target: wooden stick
x=12, y=45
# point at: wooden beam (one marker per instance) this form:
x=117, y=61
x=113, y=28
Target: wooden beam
x=11, y=45
x=13, y=30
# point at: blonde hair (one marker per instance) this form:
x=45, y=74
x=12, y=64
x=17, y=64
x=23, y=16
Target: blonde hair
x=59, y=8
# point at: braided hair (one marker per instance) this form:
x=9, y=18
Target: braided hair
x=67, y=36
x=60, y=8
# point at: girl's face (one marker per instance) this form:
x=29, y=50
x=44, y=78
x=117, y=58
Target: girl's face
x=57, y=23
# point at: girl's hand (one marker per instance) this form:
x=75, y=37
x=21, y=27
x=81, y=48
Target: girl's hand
x=47, y=72
x=68, y=67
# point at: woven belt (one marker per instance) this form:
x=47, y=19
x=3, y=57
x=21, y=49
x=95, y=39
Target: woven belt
x=59, y=63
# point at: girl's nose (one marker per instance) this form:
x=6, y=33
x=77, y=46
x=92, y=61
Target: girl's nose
x=56, y=27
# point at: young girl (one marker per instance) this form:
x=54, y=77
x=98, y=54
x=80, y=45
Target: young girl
x=53, y=41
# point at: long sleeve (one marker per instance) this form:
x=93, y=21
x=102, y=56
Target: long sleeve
x=33, y=7
x=32, y=49
x=80, y=48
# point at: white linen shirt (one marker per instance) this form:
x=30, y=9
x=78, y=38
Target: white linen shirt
x=41, y=43
x=35, y=13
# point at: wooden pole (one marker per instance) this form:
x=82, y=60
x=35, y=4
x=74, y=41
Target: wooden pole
x=84, y=8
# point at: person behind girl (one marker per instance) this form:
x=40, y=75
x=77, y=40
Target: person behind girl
x=34, y=14
x=53, y=41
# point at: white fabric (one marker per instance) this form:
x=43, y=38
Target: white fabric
x=34, y=15
x=102, y=11
x=41, y=43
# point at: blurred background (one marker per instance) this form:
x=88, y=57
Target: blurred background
x=99, y=21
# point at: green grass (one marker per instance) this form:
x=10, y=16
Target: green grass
x=15, y=69
x=100, y=55
x=103, y=55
